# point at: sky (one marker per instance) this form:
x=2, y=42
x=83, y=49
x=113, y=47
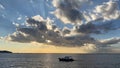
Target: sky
x=60, y=26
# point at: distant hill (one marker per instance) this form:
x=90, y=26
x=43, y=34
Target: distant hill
x=5, y=51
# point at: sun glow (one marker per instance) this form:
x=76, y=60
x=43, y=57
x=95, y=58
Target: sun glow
x=35, y=47
x=44, y=48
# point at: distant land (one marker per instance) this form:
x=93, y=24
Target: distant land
x=5, y=51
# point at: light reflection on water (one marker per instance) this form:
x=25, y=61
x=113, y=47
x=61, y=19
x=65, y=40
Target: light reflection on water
x=51, y=61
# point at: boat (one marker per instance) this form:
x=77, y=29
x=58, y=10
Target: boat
x=66, y=59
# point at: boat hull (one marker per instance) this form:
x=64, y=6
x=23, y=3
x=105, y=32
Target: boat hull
x=65, y=60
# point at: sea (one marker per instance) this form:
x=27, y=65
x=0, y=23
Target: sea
x=24, y=60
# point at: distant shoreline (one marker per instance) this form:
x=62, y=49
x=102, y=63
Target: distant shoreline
x=5, y=51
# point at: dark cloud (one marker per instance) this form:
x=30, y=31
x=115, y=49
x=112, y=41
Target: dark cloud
x=96, y=28
x=66, y=30
x=73, y=15
x=27, y=35
x=110, y=41
x=88, y=28
x=37, y=24
x=35, y=30
x=79, y=40
x=68, y=11
x=18, y=37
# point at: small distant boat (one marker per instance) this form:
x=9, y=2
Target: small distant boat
x=66, y=59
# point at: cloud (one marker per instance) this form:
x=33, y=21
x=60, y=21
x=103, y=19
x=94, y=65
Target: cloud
x=66, y=30
x=89, y=48
x=19, y=37
x=105, y=46
x=40, y=25
x=2, y=7
x=106, y=11
x=19, y=18
x=110, y=41
x=91, y=28
x=68, y=10
x=88, y=28
x=79, y=40
x=16, y=24
x=38, y=30
x=109, y=10
x=34, y=30
x=1, y=38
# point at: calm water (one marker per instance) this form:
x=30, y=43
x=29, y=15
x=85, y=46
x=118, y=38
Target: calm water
x=51, y=61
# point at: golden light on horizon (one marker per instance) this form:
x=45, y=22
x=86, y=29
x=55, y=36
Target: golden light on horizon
x=35, y=47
